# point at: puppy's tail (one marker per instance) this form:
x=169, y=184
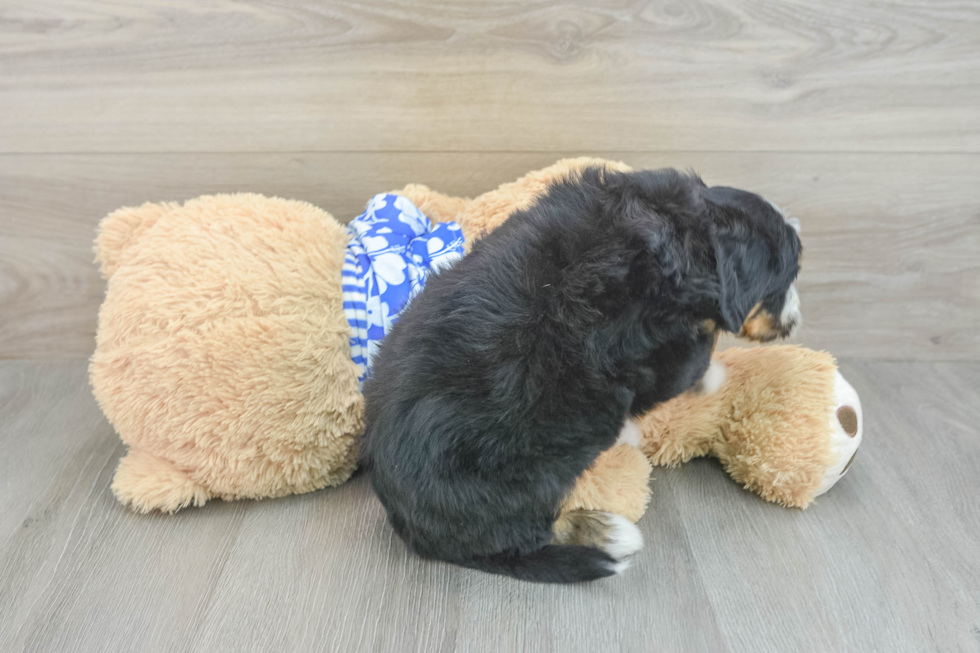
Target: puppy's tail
x=551, y=564
x=587, y=545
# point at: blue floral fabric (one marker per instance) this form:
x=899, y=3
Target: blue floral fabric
x=393, y=248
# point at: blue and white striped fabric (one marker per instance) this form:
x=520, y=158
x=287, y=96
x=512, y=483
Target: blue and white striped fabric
x=392, y=249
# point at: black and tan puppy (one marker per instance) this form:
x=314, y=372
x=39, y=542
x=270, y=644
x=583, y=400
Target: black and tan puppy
x=509, y=374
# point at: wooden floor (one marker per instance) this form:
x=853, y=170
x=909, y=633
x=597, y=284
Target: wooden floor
x=888, y=560
x=860, y=118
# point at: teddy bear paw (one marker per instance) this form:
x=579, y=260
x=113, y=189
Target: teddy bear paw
x=846, y=429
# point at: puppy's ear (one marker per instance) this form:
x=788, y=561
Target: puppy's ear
x=742, y=274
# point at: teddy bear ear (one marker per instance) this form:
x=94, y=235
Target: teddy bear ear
x=121, y=229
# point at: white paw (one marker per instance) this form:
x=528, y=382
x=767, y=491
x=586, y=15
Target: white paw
x=846, y=430
x=623, y=538
x=630, y=433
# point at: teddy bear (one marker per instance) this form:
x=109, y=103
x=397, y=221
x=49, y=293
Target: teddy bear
x=785, y=424
x=223, y=361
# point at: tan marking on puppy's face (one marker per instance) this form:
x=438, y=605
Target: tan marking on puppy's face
x=760, y=325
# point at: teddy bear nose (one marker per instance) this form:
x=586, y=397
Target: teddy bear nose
x=848, y=419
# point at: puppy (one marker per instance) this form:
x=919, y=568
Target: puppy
x=508, y=375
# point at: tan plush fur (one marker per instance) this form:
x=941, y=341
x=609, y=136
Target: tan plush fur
x=768, y=425
x=618, y=482
x=222, y=353
x=485, y=213
x=223, y=362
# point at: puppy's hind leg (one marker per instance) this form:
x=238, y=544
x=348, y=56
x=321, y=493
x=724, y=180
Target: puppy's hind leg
x=606, y=531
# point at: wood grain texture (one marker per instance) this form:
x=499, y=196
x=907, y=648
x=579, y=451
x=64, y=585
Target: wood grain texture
x=547, y=75
x=891, y=240
x=889, y=560
x=50, y=291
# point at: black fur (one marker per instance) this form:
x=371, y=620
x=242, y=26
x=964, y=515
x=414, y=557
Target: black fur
x=756, y=261
x=509, y=374
x=549, y=564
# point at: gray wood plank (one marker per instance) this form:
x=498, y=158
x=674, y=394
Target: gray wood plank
x=889, y=560
x=159, y=76
x=890, y=266
x=50, y=293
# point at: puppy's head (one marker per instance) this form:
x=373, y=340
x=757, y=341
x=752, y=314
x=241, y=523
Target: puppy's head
x=757, y=257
